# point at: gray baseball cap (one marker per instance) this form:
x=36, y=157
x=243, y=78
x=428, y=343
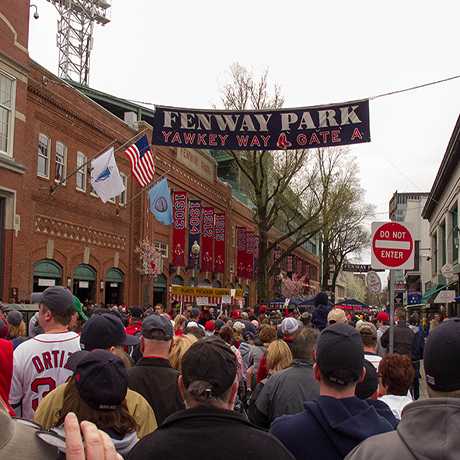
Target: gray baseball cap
x=57, y=298
x=157, y=322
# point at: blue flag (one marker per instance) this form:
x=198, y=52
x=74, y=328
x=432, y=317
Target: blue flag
x=160, y=202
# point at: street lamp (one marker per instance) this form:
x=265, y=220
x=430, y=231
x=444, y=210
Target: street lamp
x=196, y=253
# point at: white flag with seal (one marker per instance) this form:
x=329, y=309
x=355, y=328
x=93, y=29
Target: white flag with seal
x=106, y=179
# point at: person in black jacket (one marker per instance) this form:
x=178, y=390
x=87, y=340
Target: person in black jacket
x=209, y=427
x=153, y=376
x=403, y=336
x=416, y=355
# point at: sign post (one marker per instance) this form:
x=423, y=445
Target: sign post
x=392, y=248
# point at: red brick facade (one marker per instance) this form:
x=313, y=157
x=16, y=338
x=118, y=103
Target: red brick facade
x=69, y=236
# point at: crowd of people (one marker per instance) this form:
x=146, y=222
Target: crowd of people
x=141, y=383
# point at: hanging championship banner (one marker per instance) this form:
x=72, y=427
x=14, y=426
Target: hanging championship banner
x=219, y=243
x=194, y=221
x=207, y=239
x=289, y=265
x=241, y=252
x=307, y=275
x=277, y=255
x=301, y=128
x=299, y=268
x=250, y=255
x=180, y=205
x=256, y=257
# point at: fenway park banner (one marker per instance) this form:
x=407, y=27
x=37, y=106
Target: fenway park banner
x=241, y=252
x=300, y=128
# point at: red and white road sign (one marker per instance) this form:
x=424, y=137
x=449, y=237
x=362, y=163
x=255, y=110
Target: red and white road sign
x=392, y=245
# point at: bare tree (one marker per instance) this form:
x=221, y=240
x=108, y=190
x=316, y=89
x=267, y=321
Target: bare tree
x=344, y=230
x=270, y=179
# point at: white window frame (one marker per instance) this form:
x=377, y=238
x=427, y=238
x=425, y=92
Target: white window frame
x=82, y=172
x=232, y=267
x=123, y=199
x=43, y=137
x=63, y=164
x=12, y=113
x=161, y=247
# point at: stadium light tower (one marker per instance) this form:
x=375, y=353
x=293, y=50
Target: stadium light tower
x=75, y=35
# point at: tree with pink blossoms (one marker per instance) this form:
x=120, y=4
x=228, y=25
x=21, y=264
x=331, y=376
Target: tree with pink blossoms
x=150, y=259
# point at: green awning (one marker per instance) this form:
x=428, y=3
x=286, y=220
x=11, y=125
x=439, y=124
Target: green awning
x=426, y=297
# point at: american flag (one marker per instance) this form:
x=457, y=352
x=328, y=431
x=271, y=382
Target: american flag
x=141, y=160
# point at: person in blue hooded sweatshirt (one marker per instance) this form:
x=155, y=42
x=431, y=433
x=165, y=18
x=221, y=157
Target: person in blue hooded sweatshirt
x=336, y=421
x=319, y=317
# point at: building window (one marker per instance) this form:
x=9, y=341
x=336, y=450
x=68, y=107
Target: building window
x=7, y=90
x=232, y=267
x=81, y=173
x=61, y=159
x=124, y=194
x=444, y=247
x=161, y=247
x=455, y=233
x=43, y=163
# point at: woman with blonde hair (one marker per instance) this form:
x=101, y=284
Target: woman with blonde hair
x=17, y=328
x=179, y=325
x=279, y=357
x=180, y=346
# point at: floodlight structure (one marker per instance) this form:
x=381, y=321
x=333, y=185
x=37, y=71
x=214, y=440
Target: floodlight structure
x=75, y=35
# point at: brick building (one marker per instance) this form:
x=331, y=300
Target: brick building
x=62, y=233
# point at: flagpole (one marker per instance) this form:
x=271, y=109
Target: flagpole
x=142, y=191
x=54, y=187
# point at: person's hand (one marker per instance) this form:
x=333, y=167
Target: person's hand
x=98, y=445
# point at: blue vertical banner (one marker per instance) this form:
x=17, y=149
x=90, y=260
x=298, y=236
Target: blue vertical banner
x=277, y=255
x=289, y=265
x=256, y=257
x=194, y=219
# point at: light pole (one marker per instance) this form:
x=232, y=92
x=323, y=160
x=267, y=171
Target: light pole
x=281, y=277
x=196, y=253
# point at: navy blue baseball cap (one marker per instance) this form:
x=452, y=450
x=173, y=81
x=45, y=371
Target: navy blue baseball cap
x=101, y=378
x=105, y=330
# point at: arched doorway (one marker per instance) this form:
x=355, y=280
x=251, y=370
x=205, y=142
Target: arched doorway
x=159, y=290
x=217, y=284
x=246, y=296
x=178, y=280
x=206, y=282
x=84, y=282
x=114, y=279
x=191, y=282
x=46, y=273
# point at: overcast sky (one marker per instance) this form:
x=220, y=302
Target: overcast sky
x=175, y=54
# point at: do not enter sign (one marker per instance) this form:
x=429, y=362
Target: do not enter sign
x=392, y=245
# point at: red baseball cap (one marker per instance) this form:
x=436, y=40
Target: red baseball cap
x=236, y=314
x=382, y=316
x=263, y=309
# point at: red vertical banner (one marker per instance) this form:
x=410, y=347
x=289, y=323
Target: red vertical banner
x=241, y=252
x=219, y=243
x=256, y=256
x=307, y=276
x=180, y=208
x=250, y=255
x=207, y=239
x=299, y=268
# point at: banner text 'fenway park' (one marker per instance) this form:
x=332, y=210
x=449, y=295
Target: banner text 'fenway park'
x=301, y=128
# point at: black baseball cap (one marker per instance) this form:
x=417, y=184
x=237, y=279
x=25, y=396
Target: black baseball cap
x=210, y=360
x=105, y=330
x=101, y=378
x=340, y=348
x=157, y=322
x=136, y=312
x=441, y=357
x=368, y=386
x=57, y=298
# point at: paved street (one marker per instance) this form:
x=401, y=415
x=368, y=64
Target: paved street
x=423, y=390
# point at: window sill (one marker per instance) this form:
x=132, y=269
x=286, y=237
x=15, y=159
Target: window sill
x=11, y=165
